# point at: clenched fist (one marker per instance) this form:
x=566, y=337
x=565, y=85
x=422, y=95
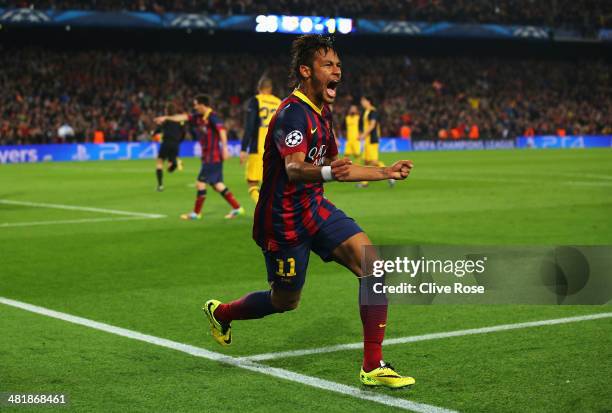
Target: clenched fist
x=340, y=169
x=399, y=170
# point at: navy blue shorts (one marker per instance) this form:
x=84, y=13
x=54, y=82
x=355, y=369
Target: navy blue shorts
x=287, y=267
x=211, y=173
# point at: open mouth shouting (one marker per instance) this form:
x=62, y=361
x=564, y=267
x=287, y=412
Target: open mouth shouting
x=330, y=89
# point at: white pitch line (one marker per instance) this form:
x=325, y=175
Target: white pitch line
x=572, y=175
x=592, y=183
x=68, y=221
x=472, y=178
x=80, y=208
x=433, y=336
x=233, y=361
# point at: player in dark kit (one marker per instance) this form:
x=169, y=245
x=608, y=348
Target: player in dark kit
x=260, y=110
x=293, y=217
x=171, y=134
x=370, y=126
x=211, y=133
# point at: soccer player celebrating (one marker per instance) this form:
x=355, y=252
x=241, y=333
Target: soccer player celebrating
x=260, y=110
x=209, y=129
x=351, y=127
x=171, y=136
x=293, y=217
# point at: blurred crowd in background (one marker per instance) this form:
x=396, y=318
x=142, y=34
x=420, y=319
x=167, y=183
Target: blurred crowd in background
x=584, y=15
x=118, y=93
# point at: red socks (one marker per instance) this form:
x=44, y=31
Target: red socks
x=229, y=197
x=254, y=305
x=374, y=321
x=200, y=198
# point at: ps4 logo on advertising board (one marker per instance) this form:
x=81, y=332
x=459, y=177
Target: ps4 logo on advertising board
x=81, y=154
x=125, y=151
x=555, y=142
x=193, y=21
x=24, y=16
x=571, y=141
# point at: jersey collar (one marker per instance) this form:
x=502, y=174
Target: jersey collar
x=206, y=114
x=305, y=99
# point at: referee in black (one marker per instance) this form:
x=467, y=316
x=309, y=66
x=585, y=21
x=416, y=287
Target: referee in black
x=172, y=134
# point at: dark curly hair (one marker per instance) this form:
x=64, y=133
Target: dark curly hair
x=303, y=51
x=203, y=99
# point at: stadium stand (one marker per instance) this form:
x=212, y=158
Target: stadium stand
x=119, y=92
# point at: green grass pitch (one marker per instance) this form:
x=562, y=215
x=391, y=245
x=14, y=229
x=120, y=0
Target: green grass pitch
x=152, y=275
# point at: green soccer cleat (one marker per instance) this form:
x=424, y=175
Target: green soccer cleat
x=234, y=213
x=385, y=376
x=222, y=333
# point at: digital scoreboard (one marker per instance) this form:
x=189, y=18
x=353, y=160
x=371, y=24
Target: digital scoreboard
x=303, y=24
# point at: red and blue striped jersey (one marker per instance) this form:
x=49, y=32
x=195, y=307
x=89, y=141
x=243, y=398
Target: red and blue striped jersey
x=288, y=213
x=206, y=129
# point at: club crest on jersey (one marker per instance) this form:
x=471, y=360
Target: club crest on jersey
x=294, y=138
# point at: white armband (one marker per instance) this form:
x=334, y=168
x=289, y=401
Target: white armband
x=326, y=173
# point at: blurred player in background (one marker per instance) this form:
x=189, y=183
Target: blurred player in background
x=208, y=127
x=293, y=217
x=351, y=128
x=260, y=110
x=370, y=126
x=171, y=134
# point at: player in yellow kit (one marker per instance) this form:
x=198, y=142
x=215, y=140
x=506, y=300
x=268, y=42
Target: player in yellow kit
x=260, y=110
x=351, y=127
x=370, y=122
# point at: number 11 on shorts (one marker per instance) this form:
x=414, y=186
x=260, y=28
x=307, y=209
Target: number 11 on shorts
x=281, y=267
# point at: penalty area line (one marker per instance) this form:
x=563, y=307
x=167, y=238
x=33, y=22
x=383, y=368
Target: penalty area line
x=68, y=221
x=81, y=208
x=424, y=337
x=232, y=361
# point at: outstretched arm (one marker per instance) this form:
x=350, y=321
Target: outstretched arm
x=342, y=170
x=224, y=149
x=181, y=117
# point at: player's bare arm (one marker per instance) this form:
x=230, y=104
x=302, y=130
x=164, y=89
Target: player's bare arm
x=181, y=117
x=345, y=171
x=224, y=148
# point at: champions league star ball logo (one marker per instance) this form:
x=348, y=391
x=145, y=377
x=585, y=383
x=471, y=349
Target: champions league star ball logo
x=194, y=21
x=294, y=138
x=25, y=16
